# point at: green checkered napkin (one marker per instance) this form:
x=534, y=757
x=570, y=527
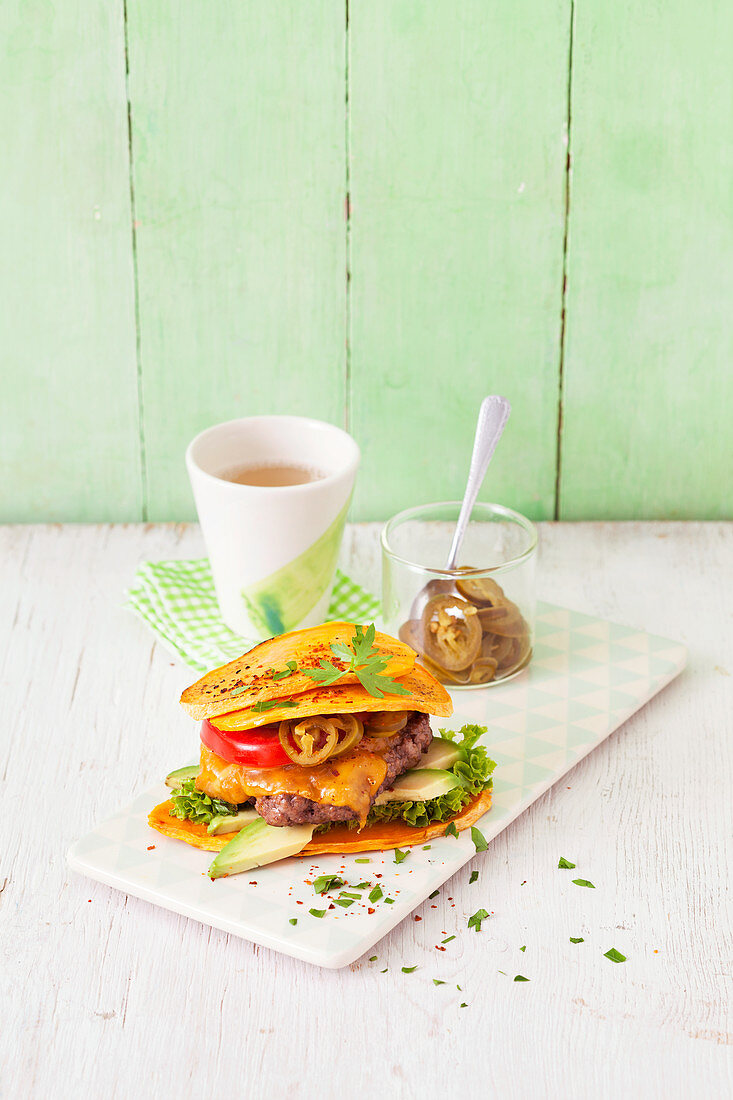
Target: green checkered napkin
x=177, y=599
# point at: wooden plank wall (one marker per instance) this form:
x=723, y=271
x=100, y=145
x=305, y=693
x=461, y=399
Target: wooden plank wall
x=69, y=421
x=365, y=210
x=648, y=372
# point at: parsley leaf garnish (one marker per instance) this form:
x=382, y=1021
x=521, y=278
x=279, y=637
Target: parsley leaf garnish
x=614, y=955
x=376, y=893
x=362, y=659
x=473, y=878
x=408, y=969
x=317, y=912
x=520, y=978
x=577, y=939
x=399, y=855
x=437, y=981
x=434, y=894
x=478, y=839
x=448, y=939
x=583, y=882
x=523, y=948
x=372, y=958
x=451, y=830
x=293, y=920
x=324, y=883
x=475, y=921
x=565, y=863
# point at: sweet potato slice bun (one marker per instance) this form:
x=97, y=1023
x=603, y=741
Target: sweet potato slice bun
x=339, y=839
x=248, y=679
x=426, y=694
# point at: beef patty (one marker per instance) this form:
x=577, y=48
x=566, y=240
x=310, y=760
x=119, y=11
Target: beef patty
x=403, y=751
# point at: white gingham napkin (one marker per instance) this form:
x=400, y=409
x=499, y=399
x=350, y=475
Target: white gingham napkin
x=177, y=599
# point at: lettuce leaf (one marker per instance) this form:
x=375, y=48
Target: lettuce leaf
x=188, y=802
x=474, y=773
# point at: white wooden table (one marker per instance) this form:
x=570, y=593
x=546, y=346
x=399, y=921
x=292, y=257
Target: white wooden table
x=115, y=997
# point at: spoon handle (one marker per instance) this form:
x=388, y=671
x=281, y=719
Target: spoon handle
x=492, y=418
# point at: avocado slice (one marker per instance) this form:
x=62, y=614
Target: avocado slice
x=418, y=785
x=180, y=775
x=258, y=844
x=442, y=754
x=231, y=823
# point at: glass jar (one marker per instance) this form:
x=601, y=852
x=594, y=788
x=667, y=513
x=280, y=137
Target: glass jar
x=472, y=626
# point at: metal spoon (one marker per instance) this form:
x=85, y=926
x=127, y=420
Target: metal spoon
x=492, y=418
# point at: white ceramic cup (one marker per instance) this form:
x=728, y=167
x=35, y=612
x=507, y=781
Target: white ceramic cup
x=273, y=549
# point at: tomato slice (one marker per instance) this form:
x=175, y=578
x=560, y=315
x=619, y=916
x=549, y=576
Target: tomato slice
x=258, y=748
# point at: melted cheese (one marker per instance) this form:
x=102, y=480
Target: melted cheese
x=350, y=780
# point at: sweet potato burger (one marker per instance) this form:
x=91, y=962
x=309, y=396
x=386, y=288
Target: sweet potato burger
x=320, y=741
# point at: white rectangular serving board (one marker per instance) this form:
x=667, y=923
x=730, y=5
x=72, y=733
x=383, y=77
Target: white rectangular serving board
x=586, y=678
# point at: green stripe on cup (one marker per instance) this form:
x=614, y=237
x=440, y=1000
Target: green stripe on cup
x=281, y=601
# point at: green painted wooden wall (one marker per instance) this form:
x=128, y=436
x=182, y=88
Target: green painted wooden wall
x=374, y=212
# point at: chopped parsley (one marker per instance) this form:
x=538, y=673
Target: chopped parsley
x=376, y=894
x=614, y=955
x=448, y=939
x=389, y=901
x=473, y=878
x=372, y=958
x=478, y=839
x=290, y=668
x=400, y=856
x=272, y=704
x=324, y=883
x=363, y=860
x=437, y=981
x=451, y=830
x=344, y=902
x=475, y=920
x=520, y=978
x=317, y=912
x=565, y=864
x=523, y=948
x=577, y=939
x=408, y=969
x=583, y=882
x=293, y=920
x=434, y=894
